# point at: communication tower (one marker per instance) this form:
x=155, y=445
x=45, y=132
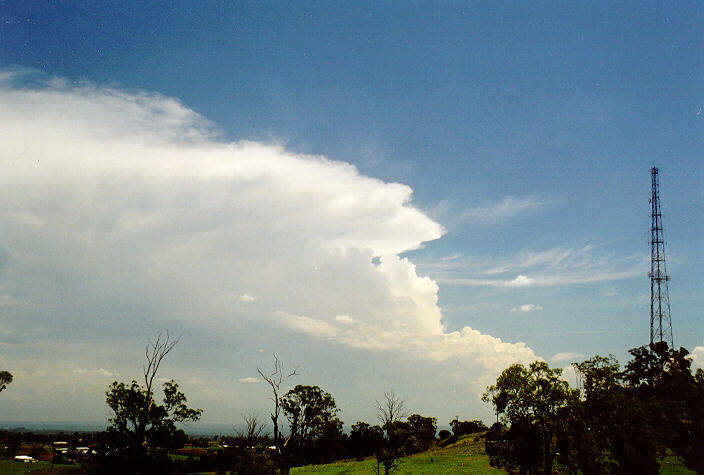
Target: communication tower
x=660, y=323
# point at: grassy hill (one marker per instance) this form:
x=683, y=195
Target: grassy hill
x=465, y=456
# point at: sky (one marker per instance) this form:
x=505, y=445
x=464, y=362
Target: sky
x=405, y=197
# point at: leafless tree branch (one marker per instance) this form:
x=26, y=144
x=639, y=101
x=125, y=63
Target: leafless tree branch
x=391, y=409
x=154, y=352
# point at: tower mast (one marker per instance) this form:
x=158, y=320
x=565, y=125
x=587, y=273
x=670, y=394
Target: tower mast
x=660, y=323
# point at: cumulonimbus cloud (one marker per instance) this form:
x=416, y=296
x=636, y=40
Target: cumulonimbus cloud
x=116, y=196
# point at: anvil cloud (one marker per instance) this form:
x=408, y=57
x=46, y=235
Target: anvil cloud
x=125, y=203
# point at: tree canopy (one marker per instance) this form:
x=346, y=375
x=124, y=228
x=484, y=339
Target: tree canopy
x=314, y=426
x=5, y=379
x=138, y=419
x=532, y=400
x=132, y=424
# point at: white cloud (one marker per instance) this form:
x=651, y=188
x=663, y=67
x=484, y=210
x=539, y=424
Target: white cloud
x=346, y=319
x=569, y=374
x=308, y=325
x=559, y=357
x=249, y=380
x=126, y=213
x=521, y=281
x=527, y=307
x=698, y=357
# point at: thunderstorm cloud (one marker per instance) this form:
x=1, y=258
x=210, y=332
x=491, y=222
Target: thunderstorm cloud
x=124, y=212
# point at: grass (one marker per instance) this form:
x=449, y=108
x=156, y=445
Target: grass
x=10, y=466
x=464, y=456
x=671, y=464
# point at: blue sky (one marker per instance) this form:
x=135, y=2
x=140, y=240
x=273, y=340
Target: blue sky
x=523, y=134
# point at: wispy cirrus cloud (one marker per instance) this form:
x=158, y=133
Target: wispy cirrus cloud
x=497, y=212
x=556, y=266
x=98, y=372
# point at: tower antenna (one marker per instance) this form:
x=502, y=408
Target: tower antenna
x=660, y=323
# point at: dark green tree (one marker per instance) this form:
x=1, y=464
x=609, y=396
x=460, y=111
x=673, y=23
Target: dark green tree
x=5, y=379
x=133, y=425
x=587, y=439
x=423, y=431
x=606, y=430
x=315, y=431
x=661, y=378
x=138, y=419
x=467, y=427
x=534, y=401
x=364, y=440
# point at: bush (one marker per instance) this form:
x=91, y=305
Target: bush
x=467, y=427
x=445, y=442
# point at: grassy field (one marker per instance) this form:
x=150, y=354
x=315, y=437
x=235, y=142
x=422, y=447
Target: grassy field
x=464, y=456
x=670, y=464
x=10, y=466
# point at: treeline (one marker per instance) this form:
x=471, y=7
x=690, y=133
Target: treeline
x=619, y=421
x=143, y=435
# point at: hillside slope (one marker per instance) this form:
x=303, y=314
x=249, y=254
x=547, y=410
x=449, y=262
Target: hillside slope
x=465, y=456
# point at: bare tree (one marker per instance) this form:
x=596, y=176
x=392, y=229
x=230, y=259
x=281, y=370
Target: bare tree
x=154, y=352
x=391, y=409
x=253, y=427
x=276, y=378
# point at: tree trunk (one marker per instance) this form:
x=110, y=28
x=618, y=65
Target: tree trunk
x=547, y=459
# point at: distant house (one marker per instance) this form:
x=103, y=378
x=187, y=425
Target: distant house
x=24, y=458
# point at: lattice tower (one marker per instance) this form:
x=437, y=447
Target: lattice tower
x=660, y=322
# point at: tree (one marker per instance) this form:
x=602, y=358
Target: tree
x=596, y=420
x=423, y=431
x=133, y=424
x=138, y=420
x=254, y=428
x=662, y=379
x=534, y=400
x=5, y=379
x=314, y=428
x=364, y=440
x=390, y=411
x=275, y=379
x=467, y=427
